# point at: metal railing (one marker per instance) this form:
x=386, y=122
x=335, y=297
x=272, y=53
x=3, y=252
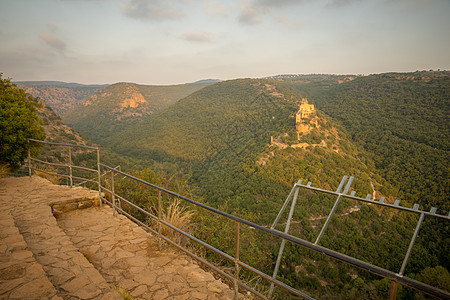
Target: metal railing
x=69, y=166
x=284, y=236
x=347, y=181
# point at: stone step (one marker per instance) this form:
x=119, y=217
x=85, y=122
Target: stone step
x=20, y=275
x=89, y=253
x=68, y=270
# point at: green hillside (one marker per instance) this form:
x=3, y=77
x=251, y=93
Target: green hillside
x=401, y=120
x=221, y=132
x=115, y=107
x=237, y=142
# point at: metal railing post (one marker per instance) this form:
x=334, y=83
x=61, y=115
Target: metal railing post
x=159, y=220
x=236, y=262
x=393, y=291
x=99, y=178
x=283, y=241
x=29, y=159
x=327, y=221
x=70, y=166
x=113, y=193
x=284, y=206
x=411, y=244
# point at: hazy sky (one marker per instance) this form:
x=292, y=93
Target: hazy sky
x=178, y=41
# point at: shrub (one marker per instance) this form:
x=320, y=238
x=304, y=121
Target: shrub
x=18, y=122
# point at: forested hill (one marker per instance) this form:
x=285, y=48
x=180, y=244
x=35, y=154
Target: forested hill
x=401, y=120
x=242, y=148
x=235, y=139
x=115, y=107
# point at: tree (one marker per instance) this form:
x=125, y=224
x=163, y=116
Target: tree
x=18, y=122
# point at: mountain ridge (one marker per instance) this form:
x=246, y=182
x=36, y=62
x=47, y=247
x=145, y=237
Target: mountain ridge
x=118, y=106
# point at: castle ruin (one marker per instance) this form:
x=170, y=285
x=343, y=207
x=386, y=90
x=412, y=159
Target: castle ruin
x=305, y=110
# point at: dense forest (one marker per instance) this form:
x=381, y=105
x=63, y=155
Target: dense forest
x=219, y=137
x=234, y=145
x=402, y=123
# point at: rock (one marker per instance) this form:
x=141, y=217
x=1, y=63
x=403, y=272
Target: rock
x=139, y=291
x=160, y=294
x=146, y=277
x=36, y=289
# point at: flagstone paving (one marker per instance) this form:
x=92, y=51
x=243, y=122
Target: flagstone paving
x=86, y=253
x=128, y=257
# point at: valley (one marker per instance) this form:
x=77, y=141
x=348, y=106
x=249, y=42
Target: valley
x=240, y=145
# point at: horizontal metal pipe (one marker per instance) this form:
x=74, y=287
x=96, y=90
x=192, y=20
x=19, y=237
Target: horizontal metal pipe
x=135, y=206
x=84, y=179
x=63, y=144
x=109, y=203
x=375, y=202
x=50, y=173
x=84, y=168
x=49, y=163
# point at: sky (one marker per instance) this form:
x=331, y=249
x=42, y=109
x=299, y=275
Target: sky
x=180, y=41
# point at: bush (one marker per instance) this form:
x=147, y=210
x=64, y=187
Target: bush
x=18, y=122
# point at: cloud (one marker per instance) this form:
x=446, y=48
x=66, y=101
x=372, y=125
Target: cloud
x=53, y=41
x=251, y=13
x=277, y=3
x=52, y=27
x=213, y=8
x=156, y=10
x=197, y=37
x=339, y=3
x=286, y=21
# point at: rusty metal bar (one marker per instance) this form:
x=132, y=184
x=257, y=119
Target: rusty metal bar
x=70, y=166
x=113, y=198
x=29, y=158
x=393, y=291
x=99, y=178
x=236, y=262
x=159, y=220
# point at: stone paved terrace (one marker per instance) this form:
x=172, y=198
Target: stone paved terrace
x=86, y=253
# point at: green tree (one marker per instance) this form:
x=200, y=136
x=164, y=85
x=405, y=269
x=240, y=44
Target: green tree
x=18, y=122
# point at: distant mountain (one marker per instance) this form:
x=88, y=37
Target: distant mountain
x=60, y=84
x=116, y=107
x=60, y=98
x=207, y=81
